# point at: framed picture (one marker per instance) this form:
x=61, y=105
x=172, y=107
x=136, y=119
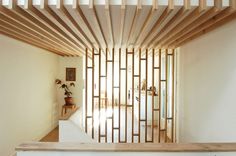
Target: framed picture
x=70, y=74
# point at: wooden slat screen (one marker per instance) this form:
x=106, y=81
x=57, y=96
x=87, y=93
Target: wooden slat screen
x=132, y=95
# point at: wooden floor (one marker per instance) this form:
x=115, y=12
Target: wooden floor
x=53, y=136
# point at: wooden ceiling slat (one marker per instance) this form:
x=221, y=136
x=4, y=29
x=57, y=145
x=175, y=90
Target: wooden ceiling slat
x=61, y=12
x=203, y=18
x=217, y=18
x=20, y=37
x=173, y=21
x=26, y=23
x=8, y=23
x=152, y=12
x=109, y=22
x=81, y=19
x=187, y=20
x=68, y=28
x=122, y=22
x=134, y=24
x=48, y=25
x=55, y=20
x=156, y=26
x=97, y=24
x=208, y=29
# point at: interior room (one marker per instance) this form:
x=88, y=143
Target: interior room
x=102, y=77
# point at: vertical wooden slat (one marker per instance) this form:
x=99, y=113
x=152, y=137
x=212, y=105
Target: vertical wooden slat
x=167, y=117
x=93, y=93
x=146, y=77
x=112, y=132
x=153, y=64
x=106, y=99
x=119, y=90
x=159, y=99
x=139, y=96
x=133, y=96
x=99, y=96
x=173, y=95
x=166, y=100
x=86, y=89
x=126, y=102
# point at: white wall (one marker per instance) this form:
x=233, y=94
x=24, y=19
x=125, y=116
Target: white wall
x=207, y=85
x=28, y=107
x=71, y=62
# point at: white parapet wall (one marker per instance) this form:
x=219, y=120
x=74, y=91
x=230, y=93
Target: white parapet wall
x=71, y=130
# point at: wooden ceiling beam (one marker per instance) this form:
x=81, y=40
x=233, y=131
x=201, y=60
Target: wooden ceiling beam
x=109, y=22
x=156, y=26
x=203, y=18
x=140, y=36
x=55, y=20
x=79, y=17
x=51, y=27
x=8, y=23
x=176, y=19
x=97, y=23
x=186, y=21
x=19, y=16
x=207, y=30
x=13, y=34
x=215, y=19
x=134, y=24
x=61, y=12
x=122, y=22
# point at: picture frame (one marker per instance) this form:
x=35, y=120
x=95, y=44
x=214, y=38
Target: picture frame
x=70, y=74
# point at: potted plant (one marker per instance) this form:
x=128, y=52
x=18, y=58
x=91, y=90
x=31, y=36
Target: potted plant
x=68, y=93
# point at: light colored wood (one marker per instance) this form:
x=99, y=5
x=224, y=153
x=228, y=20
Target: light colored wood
x=79, y=17
x=208, y=29
x=17, y=36
x=206, y=16
x=159, y=97
x=57, y=22
x=27, y=34
x=48, y=25
x=232, y=4
x=67, y=116
x=126, y=147
x=174, y=21
x=202, y=5
x=72, y=28
x=140, y=36
x=187, y=20
x=97, y=23
x=156, y=26
x=53, y=136
x=223, y=14
x=133, y=31
x=109, y=23
x=61, y=12
x=22, y=18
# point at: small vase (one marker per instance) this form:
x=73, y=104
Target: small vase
x=69, y=101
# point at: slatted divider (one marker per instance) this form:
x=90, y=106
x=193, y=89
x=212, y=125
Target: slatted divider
x=128, y=109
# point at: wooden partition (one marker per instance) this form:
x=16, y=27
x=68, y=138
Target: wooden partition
x=129, y=97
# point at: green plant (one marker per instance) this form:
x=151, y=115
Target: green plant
x=66, y=87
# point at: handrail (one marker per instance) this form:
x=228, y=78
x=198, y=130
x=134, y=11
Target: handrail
x=126, y=147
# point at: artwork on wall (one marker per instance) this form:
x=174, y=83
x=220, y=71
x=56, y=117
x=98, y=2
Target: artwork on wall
x=70, y=74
